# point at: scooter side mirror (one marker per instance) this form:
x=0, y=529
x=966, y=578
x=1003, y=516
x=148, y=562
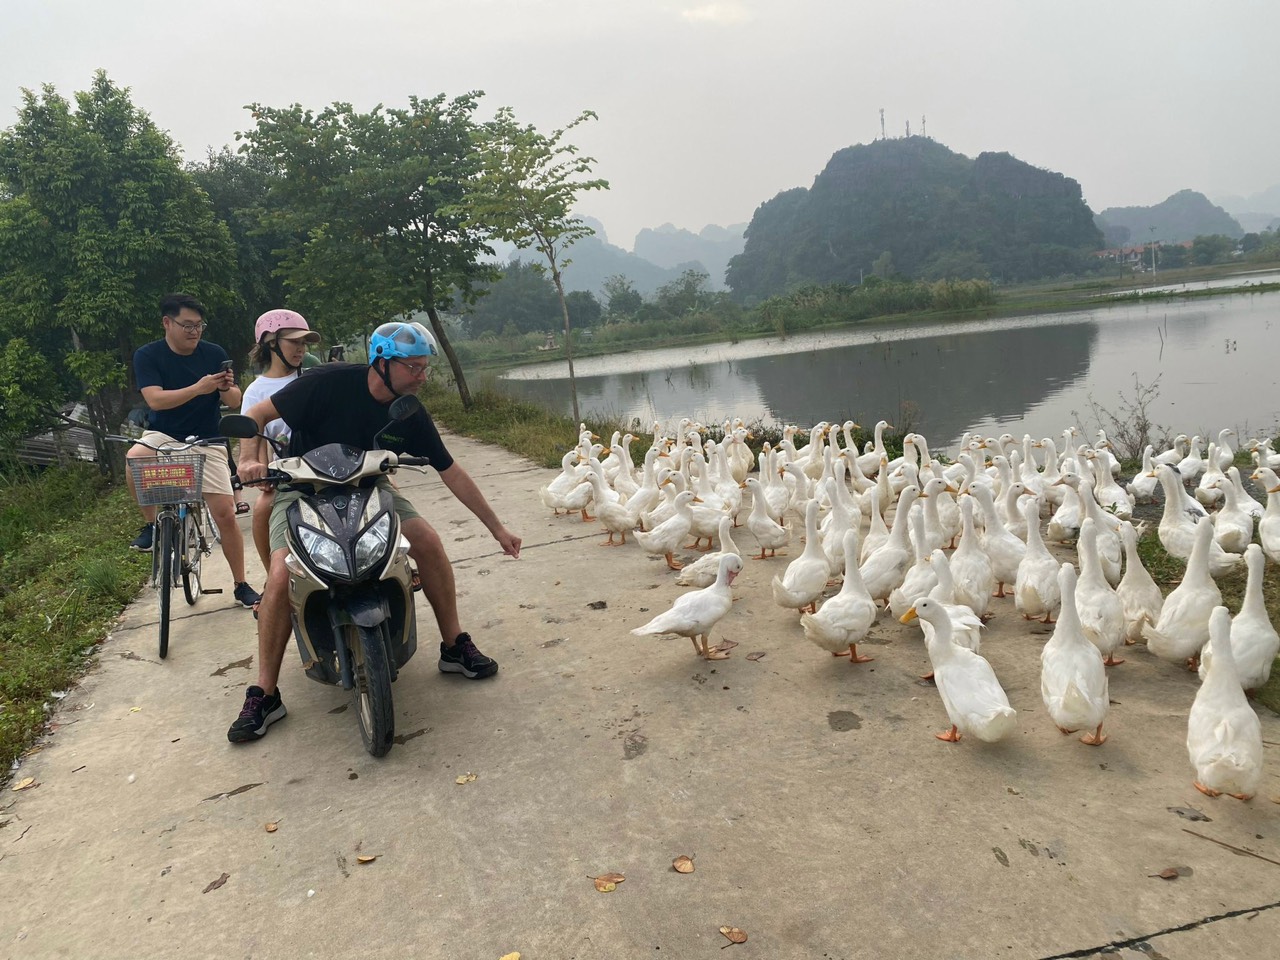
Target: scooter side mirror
x=402, y=408
x=239, y=426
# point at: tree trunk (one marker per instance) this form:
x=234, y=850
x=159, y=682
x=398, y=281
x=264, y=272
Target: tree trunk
x=454, y=364
x=568, y=342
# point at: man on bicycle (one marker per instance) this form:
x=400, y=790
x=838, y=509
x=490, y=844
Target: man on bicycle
x=348, y=403
x=183, y=382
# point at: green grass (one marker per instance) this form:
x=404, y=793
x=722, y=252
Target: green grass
x=65, y=575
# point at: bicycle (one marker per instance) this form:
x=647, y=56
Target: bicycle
x=172, y=483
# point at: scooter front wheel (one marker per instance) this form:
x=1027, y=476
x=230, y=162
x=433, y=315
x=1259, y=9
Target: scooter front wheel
x=374, y=710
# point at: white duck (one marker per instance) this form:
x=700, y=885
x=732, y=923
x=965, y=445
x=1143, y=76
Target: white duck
x=1111, y=497
x=1100, y=611
x=1004, y=550
x=1224, y=737
x=878, y=531
x=1209, y=489
x=869, y=462
x=1232, y=524
x=844, y=620
x=1269, y=525
x=1247, y=503
x=965, y=626
x=887, y=566
x=1073, y=680
x=1173, y=456
x=836, y=522
x=569, y=476
x=668, y=537
x=612, y=514
x=769, y=534
x=696, y=612
x=921, y=577
x=802, y=582
x=1183, y=627
x=1254, y=641
x=1178, y=532
x=1036, y=591
x=971, y=567
x=974, y=700
x=1193, y=464
x=702, y=572
x=1139, y=596
x=1143, y=485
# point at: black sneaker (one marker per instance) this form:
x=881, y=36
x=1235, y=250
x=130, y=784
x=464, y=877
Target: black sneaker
x=464, y=658
x=143, y=541
x=260, y=711
x=246, y=596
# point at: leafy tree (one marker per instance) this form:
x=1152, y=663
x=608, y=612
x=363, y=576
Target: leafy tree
x=522, y=296
x=238, y=186
x=98, y=221
x=883, y=266
x=584, y=309
x=622, y=299
x=527, y=187
x=684, y=294
x=375, y=198
x=1214, y=248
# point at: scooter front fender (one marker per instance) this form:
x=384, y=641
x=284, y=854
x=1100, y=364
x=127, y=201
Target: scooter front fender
x=362, y=607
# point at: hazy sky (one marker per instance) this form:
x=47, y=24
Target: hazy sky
x=707, y=109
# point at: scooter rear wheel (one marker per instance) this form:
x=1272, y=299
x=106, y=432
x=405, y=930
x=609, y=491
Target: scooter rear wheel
x=374, y=711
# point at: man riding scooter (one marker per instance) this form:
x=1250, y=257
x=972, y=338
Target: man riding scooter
x=348, y=403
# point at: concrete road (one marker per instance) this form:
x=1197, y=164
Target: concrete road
x=822, y=816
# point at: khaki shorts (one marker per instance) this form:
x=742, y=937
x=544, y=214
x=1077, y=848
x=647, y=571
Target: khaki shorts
x=280, y=524
x=217, y=470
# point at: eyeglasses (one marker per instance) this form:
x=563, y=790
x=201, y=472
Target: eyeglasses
x=190, y=327
x=417, y=369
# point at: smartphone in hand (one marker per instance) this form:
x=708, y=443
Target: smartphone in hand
x=227, y=365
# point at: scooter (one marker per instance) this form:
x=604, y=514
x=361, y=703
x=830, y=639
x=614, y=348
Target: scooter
x=350, y=581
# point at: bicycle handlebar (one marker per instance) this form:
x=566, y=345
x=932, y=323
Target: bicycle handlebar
x=177, y=447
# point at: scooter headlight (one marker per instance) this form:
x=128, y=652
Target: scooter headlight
x=372, y=545
x=323, y=551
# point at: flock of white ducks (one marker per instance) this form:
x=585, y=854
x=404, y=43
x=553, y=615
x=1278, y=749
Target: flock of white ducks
x=881, y=527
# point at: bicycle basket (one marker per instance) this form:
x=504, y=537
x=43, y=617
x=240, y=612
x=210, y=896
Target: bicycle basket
x=161, y=480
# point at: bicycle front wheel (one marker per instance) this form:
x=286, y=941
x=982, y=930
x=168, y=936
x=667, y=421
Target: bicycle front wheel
x=191, y=553
x=164, y=546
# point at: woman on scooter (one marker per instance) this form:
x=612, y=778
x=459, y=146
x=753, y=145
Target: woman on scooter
x=282, y=337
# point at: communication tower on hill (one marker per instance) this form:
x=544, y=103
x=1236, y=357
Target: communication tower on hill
x=922, y=127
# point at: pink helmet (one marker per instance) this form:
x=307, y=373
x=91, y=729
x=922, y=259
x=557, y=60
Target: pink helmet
x=275, y=320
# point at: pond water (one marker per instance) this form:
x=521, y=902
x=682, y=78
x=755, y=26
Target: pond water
x=1216, y=363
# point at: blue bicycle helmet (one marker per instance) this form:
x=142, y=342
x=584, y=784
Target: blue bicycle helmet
x=401, y=339
x=396, y=340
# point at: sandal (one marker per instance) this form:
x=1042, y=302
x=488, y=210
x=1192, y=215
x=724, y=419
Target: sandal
x=416, y=580
x=241, y=508
x=255, y=609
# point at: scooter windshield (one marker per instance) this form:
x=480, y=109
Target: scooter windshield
x=335, y=460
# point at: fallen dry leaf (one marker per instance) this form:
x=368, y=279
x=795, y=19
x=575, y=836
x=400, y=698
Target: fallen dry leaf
x=610, y=877
x=134, y=709
x=734, y=934
x=727, y=644
x=510, y=956
x=758, y=655
x=1168, y=873
x=682, y=864
x=367, y=858
x=272, y=827
x=465, y=778
x=605, y=886
x=24, y=783
x=217, y=883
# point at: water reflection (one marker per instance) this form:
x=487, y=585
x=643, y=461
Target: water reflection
x=1214, y=360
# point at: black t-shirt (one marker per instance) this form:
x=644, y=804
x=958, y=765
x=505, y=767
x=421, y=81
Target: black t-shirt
x=156, y=365
x=332, y=404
